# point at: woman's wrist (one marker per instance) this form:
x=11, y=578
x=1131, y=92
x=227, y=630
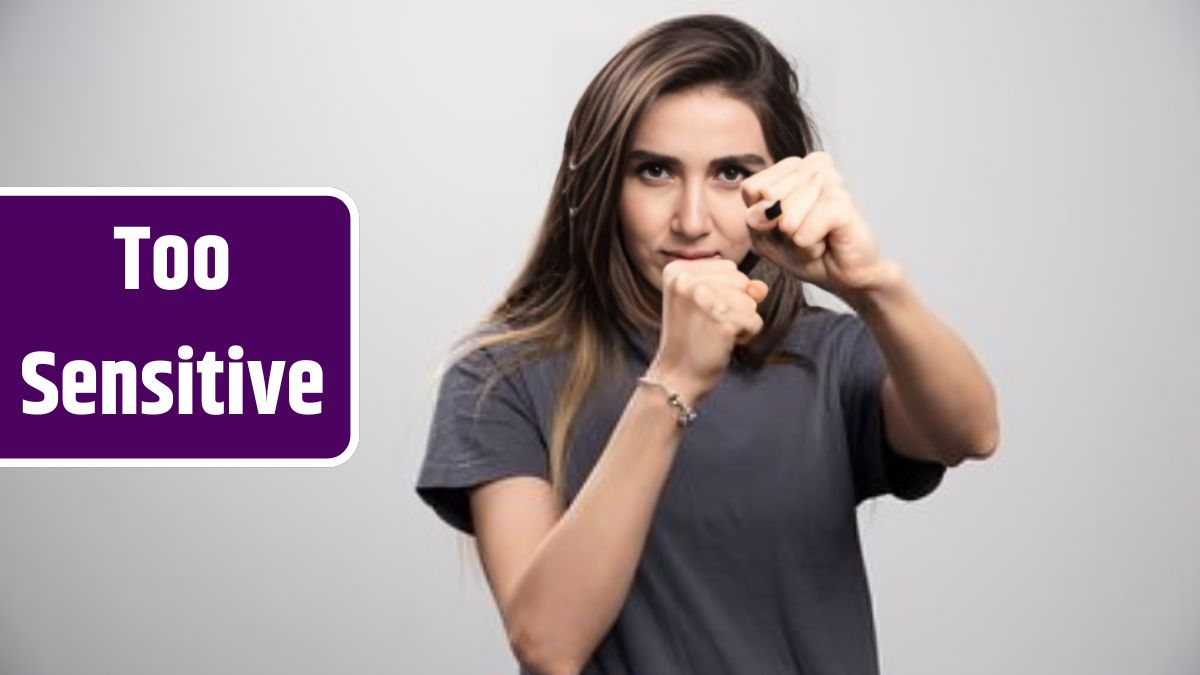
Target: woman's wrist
x=678, y=382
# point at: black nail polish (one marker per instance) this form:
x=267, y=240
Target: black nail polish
x=773, y=211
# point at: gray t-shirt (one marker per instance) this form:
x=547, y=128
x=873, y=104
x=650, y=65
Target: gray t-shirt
x=752, y=563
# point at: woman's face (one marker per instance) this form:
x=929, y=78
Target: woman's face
x=680, y=190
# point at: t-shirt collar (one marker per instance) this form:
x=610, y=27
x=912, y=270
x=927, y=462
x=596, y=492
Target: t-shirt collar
x=642, y=342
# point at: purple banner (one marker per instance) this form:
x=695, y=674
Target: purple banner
x=178, y=327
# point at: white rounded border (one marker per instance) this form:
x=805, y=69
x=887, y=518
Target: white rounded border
x=336, y=193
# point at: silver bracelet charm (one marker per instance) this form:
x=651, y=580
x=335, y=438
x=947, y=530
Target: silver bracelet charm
x=686, y=414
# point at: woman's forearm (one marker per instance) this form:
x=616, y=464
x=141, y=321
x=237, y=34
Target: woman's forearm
x=572, y=590
x=942, y=386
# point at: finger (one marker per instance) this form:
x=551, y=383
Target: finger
x=681, y=283
x=810, y=252
x=757, y=289
x=708, y=268
x=813, y=232
x=739, y=281
x=718, y=272
x=754, y=188
x=797, y=205
x=760, y=215
x=734, y=312
x=671, y=271
x=786, y=185
x=740, y=317
x=733, y=291
x=681, y=274
x=703, y=265
x=709, y=302
x=752, y=327
x=735, y=279
x=737, y=300
x=743, y=325
x=757, y=187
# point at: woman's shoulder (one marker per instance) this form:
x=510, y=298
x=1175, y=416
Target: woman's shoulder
x=497, y=347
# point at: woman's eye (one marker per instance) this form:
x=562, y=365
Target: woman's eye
x=729, y=174
x=648, y=170
x=734, y=173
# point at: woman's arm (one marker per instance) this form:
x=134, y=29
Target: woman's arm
x=939, y=404
x=560, y=582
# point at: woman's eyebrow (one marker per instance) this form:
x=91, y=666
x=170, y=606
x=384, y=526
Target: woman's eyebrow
x=749, y=159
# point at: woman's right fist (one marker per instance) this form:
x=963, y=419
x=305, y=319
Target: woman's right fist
x=709, y=306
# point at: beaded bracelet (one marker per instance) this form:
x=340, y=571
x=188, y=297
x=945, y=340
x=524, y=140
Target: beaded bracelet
x=686, y=414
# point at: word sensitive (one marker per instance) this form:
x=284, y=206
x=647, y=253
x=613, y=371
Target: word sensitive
x=79, y=377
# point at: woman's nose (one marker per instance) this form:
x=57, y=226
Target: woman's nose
x=691, y=218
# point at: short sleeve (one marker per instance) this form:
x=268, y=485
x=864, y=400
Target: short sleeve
x=477, y=436
x=878, y=468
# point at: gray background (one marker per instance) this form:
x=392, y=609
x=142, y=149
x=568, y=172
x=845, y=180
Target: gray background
x=1032, y=164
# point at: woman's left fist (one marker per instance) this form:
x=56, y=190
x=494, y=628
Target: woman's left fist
x=803, y=219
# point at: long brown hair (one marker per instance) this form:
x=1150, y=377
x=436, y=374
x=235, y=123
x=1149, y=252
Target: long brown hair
x=578, y=282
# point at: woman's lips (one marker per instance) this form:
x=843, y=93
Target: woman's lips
x=691, y=256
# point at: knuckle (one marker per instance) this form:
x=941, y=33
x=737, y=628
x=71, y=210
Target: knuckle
x=740, y=327
x=830, y=179
x=788, y=225
x=821, y=157
x=681, y=280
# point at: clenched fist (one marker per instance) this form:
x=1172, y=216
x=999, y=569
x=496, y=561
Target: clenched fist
x=709, y=306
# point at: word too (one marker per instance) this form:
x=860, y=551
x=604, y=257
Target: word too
x=176, y=247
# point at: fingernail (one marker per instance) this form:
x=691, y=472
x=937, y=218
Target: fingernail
x=773, y=211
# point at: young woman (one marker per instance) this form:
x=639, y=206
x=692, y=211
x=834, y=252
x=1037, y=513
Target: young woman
x=657, y=443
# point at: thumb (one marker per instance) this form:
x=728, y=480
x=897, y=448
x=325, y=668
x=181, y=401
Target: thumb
x=757, y=289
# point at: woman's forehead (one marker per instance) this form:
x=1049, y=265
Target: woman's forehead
x=697, y=125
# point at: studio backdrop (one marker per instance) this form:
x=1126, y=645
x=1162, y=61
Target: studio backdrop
x=1031, y=165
